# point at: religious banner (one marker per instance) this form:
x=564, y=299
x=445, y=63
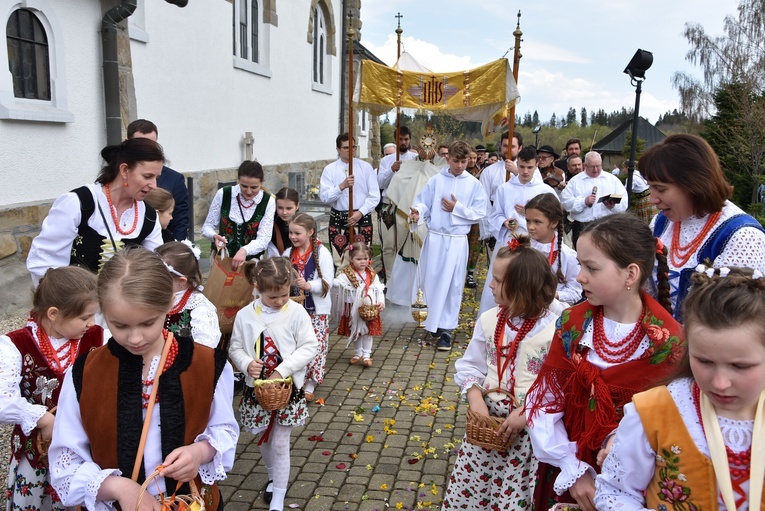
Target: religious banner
x=483, y=94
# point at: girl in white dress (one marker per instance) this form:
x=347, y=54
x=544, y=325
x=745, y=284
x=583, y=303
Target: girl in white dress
x=509, y=345
x=359, y=285
x=109, y=396
x=699, y=442
x=544, y=221
x=33, y=361
x=273, y=339
x=192, y=314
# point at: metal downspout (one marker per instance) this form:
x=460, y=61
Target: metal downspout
x=111, y=65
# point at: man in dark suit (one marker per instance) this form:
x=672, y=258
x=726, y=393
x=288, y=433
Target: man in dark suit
x=169, y=179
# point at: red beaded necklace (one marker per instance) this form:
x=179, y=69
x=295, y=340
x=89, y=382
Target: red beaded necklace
x=113, y=211
x=616, y=352
x=299, y=261
x=52, y=355
x=679, y=254
x=735, y=459
x=245, y=206
x=509, y=352
x=553, y=255
x=181, y=303
x=146, y=384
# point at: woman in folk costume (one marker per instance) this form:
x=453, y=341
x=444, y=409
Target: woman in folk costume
x=697, y=223
x=146, y=401
x=33, y=361
x=273, y=339
x=509, y=345
x=287, y=206
x=508, y=217
x=313, y=264
x=699, y=442
x=618, y=342
x=359, y=285
x=88, y=225
x=241, y=217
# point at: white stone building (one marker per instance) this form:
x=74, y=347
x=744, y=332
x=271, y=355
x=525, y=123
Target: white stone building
x=207, y=74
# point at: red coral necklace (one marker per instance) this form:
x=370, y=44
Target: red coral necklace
x=113, y=211
x=679, y=254
x=506, y=354
x=53, y=356
x=146, y=384
x=616, y=352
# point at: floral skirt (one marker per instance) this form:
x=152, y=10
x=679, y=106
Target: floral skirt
x=317, y=366
x=255, y=419
x=29, y=488
x=486, y=479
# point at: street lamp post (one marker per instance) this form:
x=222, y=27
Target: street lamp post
x=536, y=131
x=636, y=69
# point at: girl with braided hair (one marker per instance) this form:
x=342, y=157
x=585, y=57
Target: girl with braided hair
x=315, y=270
x=544, y=221
x=699, y=442
x=509, y=345
x=273, y=339
x=618, y=342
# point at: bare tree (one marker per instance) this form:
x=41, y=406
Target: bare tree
x=736, y=57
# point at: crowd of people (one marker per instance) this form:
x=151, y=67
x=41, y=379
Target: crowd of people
x=623, y=354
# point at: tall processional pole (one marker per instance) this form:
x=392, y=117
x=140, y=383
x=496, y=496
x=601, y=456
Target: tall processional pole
x=351, y=142
x=396, y=136
x=511, y=113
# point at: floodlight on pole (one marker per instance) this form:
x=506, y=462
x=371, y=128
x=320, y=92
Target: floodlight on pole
x=640, y=63
x=536, y=131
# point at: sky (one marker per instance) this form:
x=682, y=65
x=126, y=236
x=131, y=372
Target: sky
x=574, y=52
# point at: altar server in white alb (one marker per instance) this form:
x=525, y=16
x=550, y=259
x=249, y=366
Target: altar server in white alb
x=508, y=216
x=583, y=196
x=450, y=203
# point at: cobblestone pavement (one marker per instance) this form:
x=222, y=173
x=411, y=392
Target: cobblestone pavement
x=385, y=437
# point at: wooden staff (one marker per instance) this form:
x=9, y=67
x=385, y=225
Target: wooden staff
x=351, y=34
x=511, y=114
x=396, y=136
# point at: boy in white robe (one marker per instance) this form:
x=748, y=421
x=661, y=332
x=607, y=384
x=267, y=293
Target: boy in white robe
x=508, y=215
x=450, y=203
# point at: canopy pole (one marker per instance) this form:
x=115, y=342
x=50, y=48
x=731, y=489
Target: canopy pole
x=396, y=135
x=351, y=142
x=511, y=113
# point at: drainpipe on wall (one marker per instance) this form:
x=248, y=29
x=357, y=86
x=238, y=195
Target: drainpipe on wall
x=112, y=102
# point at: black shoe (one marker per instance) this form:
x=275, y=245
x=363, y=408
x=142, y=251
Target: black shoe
x=444, y=342
x=268, y=495
x=470, y=281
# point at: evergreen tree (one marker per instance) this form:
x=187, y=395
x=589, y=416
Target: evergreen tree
x=583, y=121
x=553, y=121
x=571, y=117
x=535, y=118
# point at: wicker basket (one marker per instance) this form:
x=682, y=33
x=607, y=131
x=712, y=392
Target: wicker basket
x=173, y=502
x=481, y=430
x=368, y=311
x=299, y=298
x=273, y=394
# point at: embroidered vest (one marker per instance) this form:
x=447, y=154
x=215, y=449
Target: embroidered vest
x=108, y=385
x=677, y=454
x=712, y=247
x=239, y=235
x=89, y=249
x=529, y=359
x=40, y=385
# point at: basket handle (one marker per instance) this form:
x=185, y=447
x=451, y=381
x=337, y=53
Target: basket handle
x=152, y=477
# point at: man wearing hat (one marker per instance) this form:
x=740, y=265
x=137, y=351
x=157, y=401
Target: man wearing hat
x=552, y=175
x=481, y=153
